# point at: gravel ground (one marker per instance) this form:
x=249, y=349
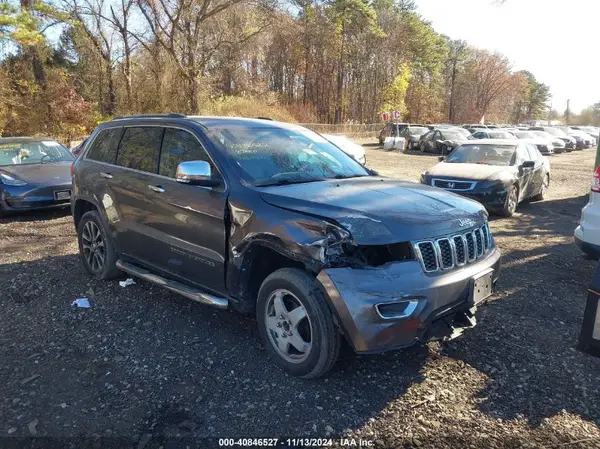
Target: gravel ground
x=145, y=363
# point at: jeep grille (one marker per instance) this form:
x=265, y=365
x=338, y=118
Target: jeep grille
x=445, y=253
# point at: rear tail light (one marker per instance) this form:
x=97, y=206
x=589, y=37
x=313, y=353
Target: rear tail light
x=72, y=169
x=596, y=180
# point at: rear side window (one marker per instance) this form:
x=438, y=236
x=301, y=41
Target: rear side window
x=181, y=146
x=140, y=148
x=532, y=151
x=104, y=147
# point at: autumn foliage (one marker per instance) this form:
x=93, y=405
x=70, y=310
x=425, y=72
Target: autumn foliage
x=69, y=64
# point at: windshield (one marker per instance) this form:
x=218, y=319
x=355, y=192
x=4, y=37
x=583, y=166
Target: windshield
x=543, y=134
x=417, y=130
x=500, y=135
x=525, y=134
x=464, y=132
x=272, y=156
x=555, y=132
x=486, y=154
x=29, y=153
x=452, y=134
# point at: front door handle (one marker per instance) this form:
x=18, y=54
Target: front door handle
x=157, y=189
x=106, y=175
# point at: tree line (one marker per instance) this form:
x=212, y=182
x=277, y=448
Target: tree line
x=69, y=64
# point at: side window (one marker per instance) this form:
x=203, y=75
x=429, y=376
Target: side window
x=181, y=146
x=521, y=155
x=104, y=147
x=437, y=135
x=479, y=135
x=533, y=152
x=140, y=148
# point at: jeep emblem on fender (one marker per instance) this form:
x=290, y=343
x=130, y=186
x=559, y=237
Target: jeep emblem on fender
x=466, y=222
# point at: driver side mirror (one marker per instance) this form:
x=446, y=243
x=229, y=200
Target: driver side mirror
x=195, y=173
x=442, y=158
x=528, y=164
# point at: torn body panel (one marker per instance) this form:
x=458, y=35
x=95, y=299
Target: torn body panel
x=311, y=243
x=357, y=296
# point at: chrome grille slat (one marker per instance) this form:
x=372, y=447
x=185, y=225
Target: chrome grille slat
x=428, y=256
x=460, y=246
x=478, y=242
x=446, y=253
x=470, y=246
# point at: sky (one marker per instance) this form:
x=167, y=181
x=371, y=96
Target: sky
x=556, y=40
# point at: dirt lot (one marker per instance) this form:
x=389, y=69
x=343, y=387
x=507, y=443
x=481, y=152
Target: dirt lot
x=145, y=363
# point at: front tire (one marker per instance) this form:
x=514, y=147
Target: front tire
x=511, y=202
x=296, y=324
x=96, y=247
x=544, y=190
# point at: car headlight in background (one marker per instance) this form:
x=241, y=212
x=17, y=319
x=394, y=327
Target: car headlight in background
x=495, y=184
x=10, y=181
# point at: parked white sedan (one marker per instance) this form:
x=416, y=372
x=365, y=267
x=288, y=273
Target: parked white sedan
x=348, y=146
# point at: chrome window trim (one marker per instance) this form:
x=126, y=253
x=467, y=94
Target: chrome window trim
x=89, y=144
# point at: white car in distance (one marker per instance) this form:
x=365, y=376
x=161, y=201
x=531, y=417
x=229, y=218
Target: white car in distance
x=348, y=146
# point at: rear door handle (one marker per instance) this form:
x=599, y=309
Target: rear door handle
x=106, y=175
x=157, y=189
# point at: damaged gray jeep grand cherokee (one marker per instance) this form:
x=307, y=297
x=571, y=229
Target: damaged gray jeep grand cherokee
x=270, y=218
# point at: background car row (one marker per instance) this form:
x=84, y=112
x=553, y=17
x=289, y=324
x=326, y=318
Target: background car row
x=443, y=138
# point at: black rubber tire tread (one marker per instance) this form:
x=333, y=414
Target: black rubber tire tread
x=504, y=211
x=326, y=337
x=110, y=270
x=540, y=196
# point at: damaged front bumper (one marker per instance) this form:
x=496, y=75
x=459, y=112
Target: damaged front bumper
x=398, y=305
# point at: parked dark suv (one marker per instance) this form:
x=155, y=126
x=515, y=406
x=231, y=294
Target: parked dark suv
x=270, y=218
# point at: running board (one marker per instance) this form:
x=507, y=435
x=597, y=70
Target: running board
x=174, y=286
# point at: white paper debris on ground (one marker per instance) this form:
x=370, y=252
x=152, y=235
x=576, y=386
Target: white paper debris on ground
x=399, y=143
x=388, y=143
x=82, y=303
x=127, y=283
x=394, y=143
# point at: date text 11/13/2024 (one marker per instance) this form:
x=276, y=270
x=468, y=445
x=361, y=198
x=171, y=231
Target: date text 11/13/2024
x=294, y=442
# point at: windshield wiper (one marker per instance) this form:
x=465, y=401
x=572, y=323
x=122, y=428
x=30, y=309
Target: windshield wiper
x=285, y=182
x=347, y=176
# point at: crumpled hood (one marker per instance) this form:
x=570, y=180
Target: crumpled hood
x=41, y=174
x=380, y=211
x=475, y=172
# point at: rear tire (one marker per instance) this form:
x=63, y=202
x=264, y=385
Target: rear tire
x=284, y=296
x=96, y=247
x=544, y=190
x=511, y=202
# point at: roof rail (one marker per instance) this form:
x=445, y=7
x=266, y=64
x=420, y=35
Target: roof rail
x=121, y=117
x=264, y=118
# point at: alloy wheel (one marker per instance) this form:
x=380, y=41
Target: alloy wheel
x=288, y=326
x=93, y=246
x=512, y=199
